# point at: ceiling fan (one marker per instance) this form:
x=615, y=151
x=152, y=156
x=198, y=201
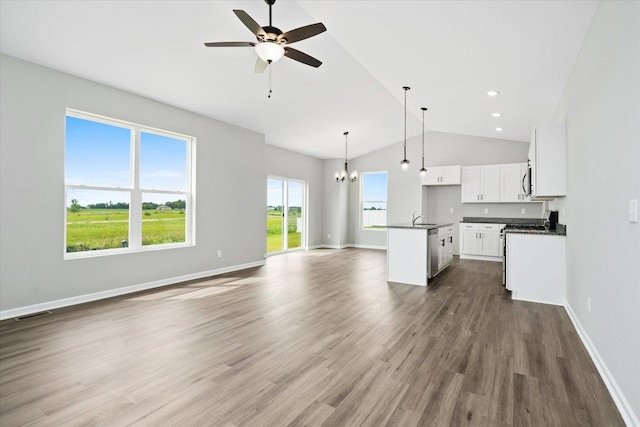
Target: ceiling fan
x=272, y=43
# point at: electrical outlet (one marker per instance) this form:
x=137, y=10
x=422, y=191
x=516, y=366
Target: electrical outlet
x=328, y=236
x=219, y=254
x=486, y=210
x=523, y=211
x=450, y=210
x=589, y=304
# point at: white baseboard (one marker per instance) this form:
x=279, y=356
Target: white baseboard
x=66, y=302
x=350, y=245
x=353, y=245
x=334, y=246
x=629, y=417
x=482, y=257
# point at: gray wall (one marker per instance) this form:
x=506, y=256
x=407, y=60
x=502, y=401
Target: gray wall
x=334, y=205
x=601, y=105
x=287, y=164
x=406, y=193
x=230, y=197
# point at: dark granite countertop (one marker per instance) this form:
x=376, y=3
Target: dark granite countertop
x=487, y=220
x=419, y=226
x=561, y=230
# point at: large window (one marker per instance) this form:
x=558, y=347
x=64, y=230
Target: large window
x=373, y=200
x=127, y=187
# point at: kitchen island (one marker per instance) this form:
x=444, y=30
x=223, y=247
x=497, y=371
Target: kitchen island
x=417, y=252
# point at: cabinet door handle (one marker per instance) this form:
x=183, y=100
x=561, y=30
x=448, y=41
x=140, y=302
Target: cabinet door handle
x=450, y=239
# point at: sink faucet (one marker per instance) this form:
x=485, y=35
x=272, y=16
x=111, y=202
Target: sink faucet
x=414, y=218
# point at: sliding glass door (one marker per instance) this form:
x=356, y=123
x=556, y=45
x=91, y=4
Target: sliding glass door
x=285, y=214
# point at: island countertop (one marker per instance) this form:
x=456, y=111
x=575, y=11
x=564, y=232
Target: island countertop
x=419, y=226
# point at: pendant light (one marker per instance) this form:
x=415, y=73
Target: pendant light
x=341, y=176
x=423, y=170
x=405, y=163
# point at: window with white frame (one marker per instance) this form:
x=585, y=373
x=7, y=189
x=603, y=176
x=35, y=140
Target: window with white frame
x=128, y=187
x=373, y=200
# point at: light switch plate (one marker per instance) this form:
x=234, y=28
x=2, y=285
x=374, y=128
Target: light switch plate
x=450, y=210
x=633, y=210
x=524, y=210
x=486, y=210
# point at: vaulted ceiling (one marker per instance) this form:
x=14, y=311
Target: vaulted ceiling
x=449, y=52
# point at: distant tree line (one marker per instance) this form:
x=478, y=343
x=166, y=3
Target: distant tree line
x=75, y=206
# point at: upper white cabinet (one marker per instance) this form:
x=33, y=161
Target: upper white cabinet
x=442, y=175
x=481, y=184
x=513, y=177
x=548, y=159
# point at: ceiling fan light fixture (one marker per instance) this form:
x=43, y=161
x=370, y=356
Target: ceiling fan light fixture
x=269, y=51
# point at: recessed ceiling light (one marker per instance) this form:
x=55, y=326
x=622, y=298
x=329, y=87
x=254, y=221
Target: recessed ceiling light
x=493, y=93
x=499, y=129
x=496, y=114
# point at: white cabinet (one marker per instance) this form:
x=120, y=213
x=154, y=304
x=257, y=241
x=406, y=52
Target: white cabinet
x=442, y=175
x=481, y=184
x=548, y=158
x=445, y=249
x=512, y=182
x=536, y=269
x=481, y=241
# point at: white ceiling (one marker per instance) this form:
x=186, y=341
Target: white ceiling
x=450, y=53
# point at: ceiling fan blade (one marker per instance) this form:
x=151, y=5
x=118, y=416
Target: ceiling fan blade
x=301, y=57
x=302, y=33
x=260, y=66
x=248, y=21
x=229, y=44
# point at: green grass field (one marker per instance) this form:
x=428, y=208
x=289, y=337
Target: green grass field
x=274, y=232
x=93, y=229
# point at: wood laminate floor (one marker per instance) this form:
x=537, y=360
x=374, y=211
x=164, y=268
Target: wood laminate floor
x=312, y=338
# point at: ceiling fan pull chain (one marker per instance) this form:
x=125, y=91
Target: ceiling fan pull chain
x=270, y=82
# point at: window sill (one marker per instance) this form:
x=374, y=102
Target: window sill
x=122, y=251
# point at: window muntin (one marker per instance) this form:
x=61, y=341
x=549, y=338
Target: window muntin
x=107, y=208
x=373, y=200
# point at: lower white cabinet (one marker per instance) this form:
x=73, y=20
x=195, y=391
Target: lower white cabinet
x=480, y=241
x=536, y=268
x=445, y=249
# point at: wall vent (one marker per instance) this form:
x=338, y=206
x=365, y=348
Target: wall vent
x=28, y=316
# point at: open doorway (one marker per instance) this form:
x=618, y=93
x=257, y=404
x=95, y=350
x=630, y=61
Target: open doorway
x=286, y=227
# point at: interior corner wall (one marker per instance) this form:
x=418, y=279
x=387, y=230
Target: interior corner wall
x=404, y=188
x=601, y=103
x=334, y=205
x=229, y=205
x=288, y=164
